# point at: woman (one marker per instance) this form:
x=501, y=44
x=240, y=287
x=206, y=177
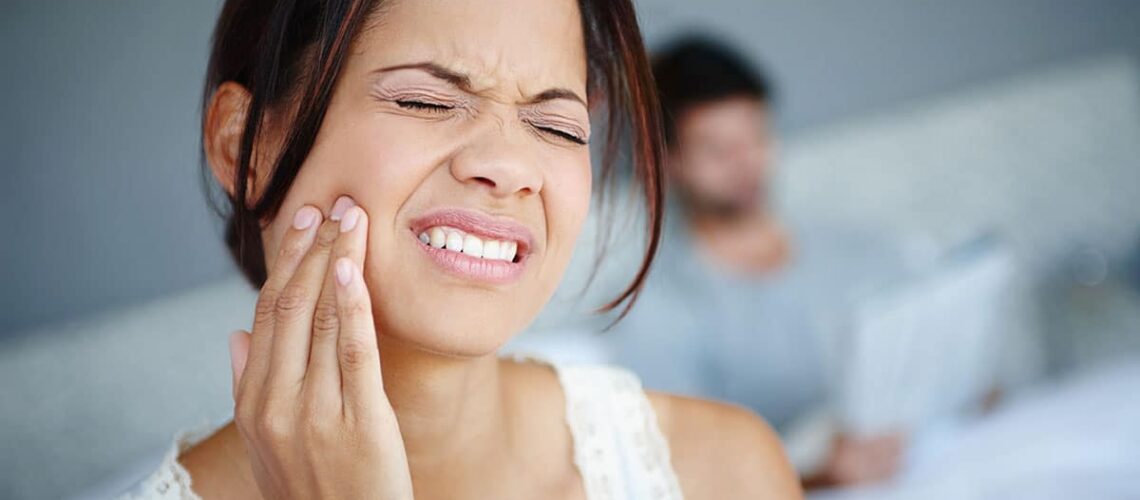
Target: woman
x=407, y=180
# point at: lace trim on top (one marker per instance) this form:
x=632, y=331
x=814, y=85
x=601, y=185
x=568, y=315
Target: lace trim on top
x=171, y=481
x=618, y=447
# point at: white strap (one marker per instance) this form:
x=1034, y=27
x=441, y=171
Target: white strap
x=618, y=447
x=171, y=481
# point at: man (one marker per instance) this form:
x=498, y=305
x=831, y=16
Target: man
x=736, y=309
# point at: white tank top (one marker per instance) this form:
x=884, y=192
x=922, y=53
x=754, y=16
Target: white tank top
x=619, y=449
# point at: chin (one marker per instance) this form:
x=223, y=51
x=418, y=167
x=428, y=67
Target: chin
x=450, y=319
x=437, y=333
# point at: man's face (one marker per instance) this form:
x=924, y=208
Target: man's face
x=722, y=156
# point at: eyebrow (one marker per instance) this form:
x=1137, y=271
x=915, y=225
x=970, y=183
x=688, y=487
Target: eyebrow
x=464, y=82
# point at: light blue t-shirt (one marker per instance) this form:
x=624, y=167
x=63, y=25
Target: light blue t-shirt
x=759, y=341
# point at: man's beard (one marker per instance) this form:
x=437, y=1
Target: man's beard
x=724, y=208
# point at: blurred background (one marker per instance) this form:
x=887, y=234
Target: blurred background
x=977, y=162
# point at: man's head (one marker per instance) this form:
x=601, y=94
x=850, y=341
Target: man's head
x=716, y=110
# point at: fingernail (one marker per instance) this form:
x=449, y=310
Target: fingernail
x=349, y=220
x=306, y=216
x=343, y=271
x=340, y=207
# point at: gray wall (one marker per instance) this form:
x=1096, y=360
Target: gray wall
x=99, y=149
x=834, y=59
x=98, y=141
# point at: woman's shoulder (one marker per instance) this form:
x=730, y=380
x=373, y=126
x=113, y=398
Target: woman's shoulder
x=172, y=479
x=721, y=450
x=716, y=450
x=206, y=461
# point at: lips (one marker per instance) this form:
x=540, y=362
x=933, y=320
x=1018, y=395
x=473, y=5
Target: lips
x=472, y=245
x=456, y=240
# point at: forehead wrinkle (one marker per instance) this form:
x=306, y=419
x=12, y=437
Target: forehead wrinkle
x=498, y=69
x=492, y=71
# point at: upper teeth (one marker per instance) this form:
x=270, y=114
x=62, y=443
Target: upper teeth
x=455, y=240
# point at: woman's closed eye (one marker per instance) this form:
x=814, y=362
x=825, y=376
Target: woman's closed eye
x=419, y=105
x=561, y=134
x=437, y=108
x=558, y=125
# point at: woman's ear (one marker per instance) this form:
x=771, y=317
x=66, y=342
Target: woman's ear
x=223, y=129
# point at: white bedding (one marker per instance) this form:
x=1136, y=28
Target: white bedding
x=1078, y=438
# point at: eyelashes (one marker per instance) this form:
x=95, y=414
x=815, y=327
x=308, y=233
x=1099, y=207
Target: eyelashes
x=424, y=106
x=562, y=134
x=436, y=108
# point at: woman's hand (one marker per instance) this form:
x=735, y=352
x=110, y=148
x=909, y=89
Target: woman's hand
x=309, y=400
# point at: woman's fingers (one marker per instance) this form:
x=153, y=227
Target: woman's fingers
x=293, y=317
x=357, y=354
x=294, y=246
x=239, y=353
x=322, y=381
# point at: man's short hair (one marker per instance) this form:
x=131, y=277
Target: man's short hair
x=696, y=70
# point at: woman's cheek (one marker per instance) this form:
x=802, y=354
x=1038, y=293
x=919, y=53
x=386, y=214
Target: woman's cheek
x=567, y=202
x=580, y=188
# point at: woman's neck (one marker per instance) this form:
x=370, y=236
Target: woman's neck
x=450, y=409
x=476, y=427
x=446, y=406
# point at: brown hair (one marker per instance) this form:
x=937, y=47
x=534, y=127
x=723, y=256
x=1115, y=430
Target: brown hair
x=291, y=51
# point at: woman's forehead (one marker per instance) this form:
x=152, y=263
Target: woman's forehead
x=510, y=46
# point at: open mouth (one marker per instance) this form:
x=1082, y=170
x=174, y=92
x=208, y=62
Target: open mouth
x=473, y=245
x=456, y=240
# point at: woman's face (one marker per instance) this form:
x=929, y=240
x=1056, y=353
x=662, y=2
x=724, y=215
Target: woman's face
x=462, y=124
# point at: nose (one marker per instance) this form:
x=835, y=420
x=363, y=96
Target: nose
x=496, y=161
